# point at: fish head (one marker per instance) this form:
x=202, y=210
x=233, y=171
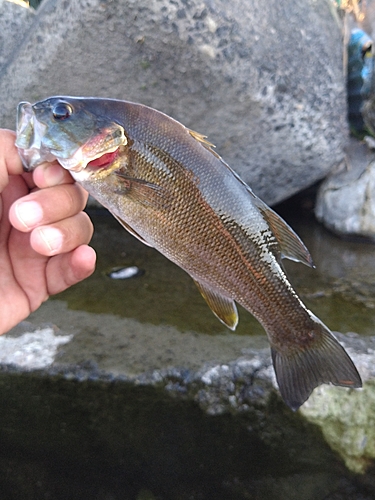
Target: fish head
x=69, y=130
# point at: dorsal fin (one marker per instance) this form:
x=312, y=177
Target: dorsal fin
x=203, y=140
x=224, y=309
x=291, y=245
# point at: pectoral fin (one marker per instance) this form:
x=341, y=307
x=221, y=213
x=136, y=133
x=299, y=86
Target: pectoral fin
x=225, y=309
x=291, y=245
x=144, y=192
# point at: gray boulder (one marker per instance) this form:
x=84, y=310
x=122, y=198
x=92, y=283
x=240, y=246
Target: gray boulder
x=346, y=199
x=265, y=84
x=15, y=18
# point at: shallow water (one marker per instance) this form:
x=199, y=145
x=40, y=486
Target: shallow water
x=341, y=290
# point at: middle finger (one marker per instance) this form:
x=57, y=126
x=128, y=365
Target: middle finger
x=51, y=174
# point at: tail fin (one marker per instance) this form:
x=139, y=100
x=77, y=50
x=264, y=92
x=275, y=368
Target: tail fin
x=324, y=361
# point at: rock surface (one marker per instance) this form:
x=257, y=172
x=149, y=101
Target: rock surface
x=346, y=199
x=15, y=19
x=222, y=423
x=265, y=84
x=347, y=419
x=227, y=384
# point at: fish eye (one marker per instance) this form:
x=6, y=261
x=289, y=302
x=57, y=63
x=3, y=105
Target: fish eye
x=62, y=111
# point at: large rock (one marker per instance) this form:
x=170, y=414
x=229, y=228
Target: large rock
x=15, y=19
x=265, y=84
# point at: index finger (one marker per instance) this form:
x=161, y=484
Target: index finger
x=10, y=161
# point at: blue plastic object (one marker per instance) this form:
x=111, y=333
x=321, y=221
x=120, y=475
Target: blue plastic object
x=360, y=72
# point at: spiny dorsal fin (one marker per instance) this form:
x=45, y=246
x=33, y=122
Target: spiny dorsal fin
x=291, y=245
x=203, y=140
x=225, y=309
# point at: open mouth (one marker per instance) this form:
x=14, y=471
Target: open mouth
x=103, y=161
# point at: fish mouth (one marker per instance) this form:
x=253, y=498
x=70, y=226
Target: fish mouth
x=80, y=161
x=103, y=161
x=29, y=138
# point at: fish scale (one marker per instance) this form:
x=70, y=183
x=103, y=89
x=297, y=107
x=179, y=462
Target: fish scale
x=169, y=188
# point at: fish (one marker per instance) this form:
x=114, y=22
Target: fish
x=170, y=189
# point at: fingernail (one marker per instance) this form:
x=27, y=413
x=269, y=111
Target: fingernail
x=29, y=213
x=52, y=237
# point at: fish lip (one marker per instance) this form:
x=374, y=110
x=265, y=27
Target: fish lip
x=24, y=125
x=29, y=137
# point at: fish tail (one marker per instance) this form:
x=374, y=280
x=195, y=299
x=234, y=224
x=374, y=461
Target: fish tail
x=302, y=369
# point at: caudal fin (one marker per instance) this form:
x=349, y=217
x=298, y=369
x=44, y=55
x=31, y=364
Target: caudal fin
x=324, y=361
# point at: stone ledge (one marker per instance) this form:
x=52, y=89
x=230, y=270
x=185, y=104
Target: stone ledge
x=241, y=386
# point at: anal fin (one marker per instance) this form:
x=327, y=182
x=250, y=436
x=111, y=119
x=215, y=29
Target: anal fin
x=224, y=308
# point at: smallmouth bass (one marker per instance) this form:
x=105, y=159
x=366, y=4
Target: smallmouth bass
x=168, y=187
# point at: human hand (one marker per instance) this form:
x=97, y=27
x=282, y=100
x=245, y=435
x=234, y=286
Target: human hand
x=43, y=234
